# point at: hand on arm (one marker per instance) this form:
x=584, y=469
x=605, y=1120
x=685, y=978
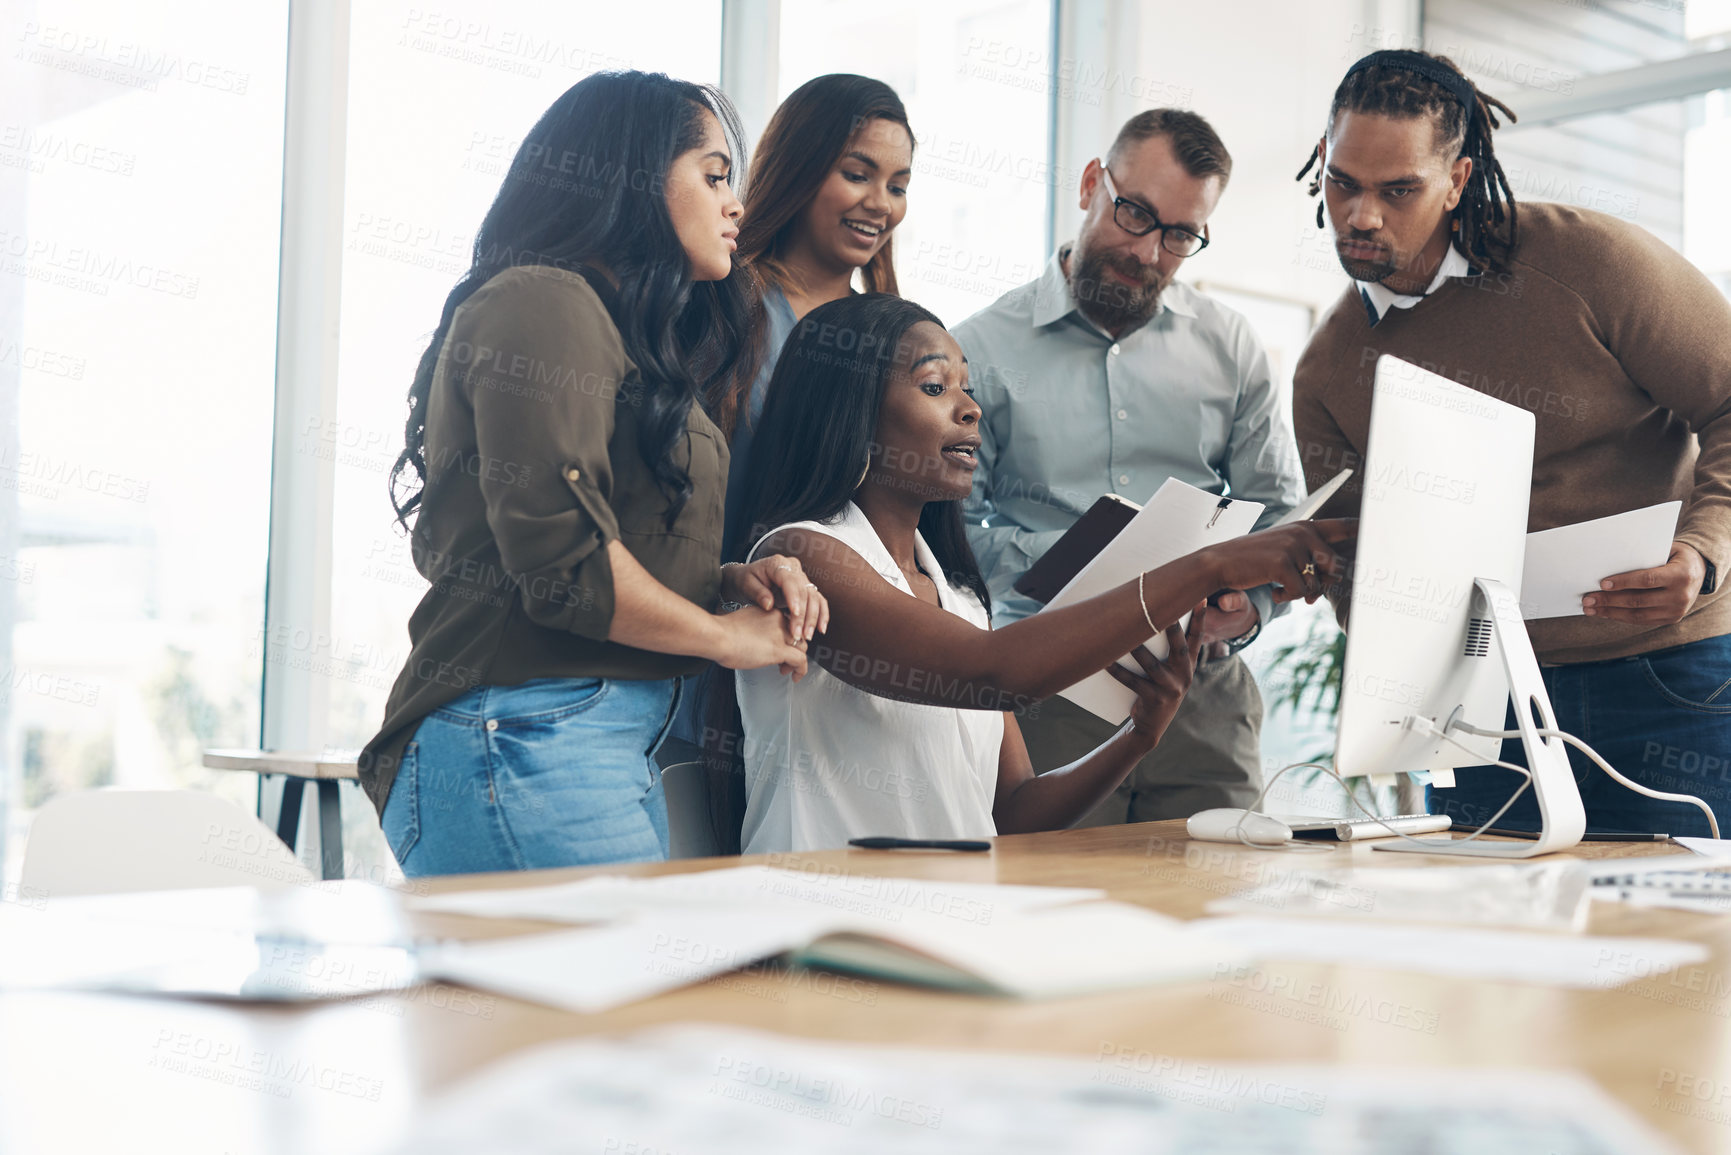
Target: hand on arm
x=775, y=581
x=1027, y=802
x=1656, y=597
x=649, y=616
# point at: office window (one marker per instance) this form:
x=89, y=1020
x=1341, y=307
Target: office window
x=1706, y=175
x=437, y=106
x=974, y=76
x=140, y=206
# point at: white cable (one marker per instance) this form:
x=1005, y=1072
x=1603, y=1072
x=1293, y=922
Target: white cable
x=1712, y=822
x=1255, y=807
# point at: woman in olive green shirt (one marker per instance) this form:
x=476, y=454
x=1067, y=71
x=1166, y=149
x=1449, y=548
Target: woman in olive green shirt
x=569, y=507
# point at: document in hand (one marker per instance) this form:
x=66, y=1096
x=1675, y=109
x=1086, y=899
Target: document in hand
x=1178, y=520
x=1569, y=561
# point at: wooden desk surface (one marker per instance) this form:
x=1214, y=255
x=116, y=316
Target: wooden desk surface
x=98, y=1073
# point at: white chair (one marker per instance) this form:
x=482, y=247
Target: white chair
x=325, y=770
x=112, y=841
x=690, y=833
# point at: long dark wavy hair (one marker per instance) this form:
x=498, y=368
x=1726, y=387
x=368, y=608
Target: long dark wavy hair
x=796, y=154
x=819, y=429
x=586, y=191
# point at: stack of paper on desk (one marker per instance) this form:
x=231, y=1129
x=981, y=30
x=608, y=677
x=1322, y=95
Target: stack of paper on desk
x=1558, y=960
x=1071, y=950
x=722, y=1091
x=667, y=932
x=1178, y=520
x=607, y=897
x=1528, y=896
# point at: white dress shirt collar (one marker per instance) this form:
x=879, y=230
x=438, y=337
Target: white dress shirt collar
x=1379, y=299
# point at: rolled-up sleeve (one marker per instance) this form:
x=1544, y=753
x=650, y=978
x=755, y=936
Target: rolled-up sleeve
x=543, y=373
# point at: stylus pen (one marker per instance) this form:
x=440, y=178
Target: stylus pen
x=1609, y=836
x=886, y=843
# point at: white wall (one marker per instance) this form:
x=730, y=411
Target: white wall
x=1260, y=71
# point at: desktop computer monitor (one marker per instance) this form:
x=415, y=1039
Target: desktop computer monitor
x=1434, y=626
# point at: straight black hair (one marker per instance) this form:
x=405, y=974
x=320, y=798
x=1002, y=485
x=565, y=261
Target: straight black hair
x=588, y=188
x=820, y=419
x=819, y=430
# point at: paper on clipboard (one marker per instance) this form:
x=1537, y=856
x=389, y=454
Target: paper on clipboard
x=1310, y=506
x=1178, y=520
x=1571, y=560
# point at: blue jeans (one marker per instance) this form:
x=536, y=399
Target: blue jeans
x=554, y=772
x=1662, y=719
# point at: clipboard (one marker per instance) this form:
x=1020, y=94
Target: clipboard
x=1081, y=544
x=1178, y=520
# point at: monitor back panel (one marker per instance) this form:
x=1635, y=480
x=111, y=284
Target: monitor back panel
x=1447, y=478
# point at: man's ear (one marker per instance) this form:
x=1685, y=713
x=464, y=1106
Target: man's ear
x=1459, y=173
x=1090, y=182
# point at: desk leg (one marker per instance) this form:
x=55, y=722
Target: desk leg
x=330, y=829
x=288, y=820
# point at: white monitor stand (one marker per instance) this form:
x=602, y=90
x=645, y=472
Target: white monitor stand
x=1562, y=817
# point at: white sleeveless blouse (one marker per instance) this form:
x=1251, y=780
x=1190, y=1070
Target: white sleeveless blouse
x=825, y=762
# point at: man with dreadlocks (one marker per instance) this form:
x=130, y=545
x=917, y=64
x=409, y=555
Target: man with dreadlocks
x=1622, y=351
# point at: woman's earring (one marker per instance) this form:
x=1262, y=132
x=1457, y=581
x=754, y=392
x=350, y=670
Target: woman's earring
x=864, y=473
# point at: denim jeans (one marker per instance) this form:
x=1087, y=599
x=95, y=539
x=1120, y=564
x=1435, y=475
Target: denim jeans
x=1663, y=719
x=554, y=772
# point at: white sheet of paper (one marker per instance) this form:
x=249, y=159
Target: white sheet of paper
x=1527, y=896
x=715, y=1090
x=607, y=897
x=1038, y=954
x=1569, y=561
x=1178, y=520
x=1069, y=951
x=1557, y=960
x=1719, y=848
x=604, y=967
x=1306, y=509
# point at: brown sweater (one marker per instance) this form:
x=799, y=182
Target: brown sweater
x=1622, y=351
x=532, y=468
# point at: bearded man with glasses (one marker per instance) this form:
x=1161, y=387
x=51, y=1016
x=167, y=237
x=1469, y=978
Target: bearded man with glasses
x=1106, y=375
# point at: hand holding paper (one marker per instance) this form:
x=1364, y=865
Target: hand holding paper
x=1659, y=596
x=1570, y=561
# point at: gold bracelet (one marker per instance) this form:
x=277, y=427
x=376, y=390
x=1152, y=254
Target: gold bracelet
x=1143, y=598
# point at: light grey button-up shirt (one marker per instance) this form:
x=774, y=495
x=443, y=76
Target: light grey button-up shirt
x=1071, y=414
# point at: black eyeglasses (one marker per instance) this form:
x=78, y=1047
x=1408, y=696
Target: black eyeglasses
x=1139, y=222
